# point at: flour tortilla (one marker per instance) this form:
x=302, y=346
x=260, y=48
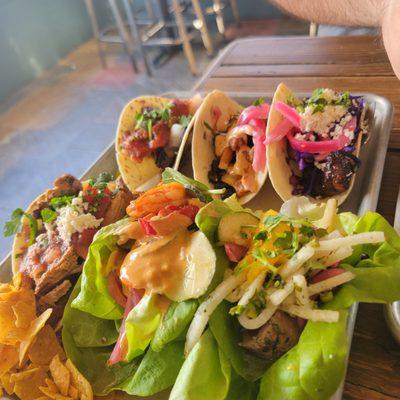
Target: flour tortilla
x=278, y=167
x=134, y=173
x=203, y=139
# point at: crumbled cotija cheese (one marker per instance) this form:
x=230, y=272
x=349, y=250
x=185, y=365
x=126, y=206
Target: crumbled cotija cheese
x=321, y=122
x=72, y=219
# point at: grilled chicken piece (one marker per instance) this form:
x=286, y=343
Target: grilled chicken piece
x=236, y=139
x=66, y=184
x=220, y=144
x=273, y=339
x=51, y=298
x=117, y=208
x=243, y=161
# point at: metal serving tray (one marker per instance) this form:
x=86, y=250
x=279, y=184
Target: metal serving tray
x=364, y=196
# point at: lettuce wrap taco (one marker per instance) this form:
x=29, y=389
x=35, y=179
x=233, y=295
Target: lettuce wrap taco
x=228, y=150
x=53, y=235
x=313, y=144
x=275, y=327
x=124, y=324
x=150, y=132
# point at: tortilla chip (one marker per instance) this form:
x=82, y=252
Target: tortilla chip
x=51, y=385
x=28, y=388
x=33, y=330
x=6, y=383
x=80, y=382
x=73, y=392
x=24, y=314
x=60, y=375
x=23, y=375
x=45, y=347
x=8, y=358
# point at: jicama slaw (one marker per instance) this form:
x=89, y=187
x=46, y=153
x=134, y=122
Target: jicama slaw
x=291, y=266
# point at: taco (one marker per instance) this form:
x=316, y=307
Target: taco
x=53, y=235
x=150, y=131
x=228, y=150
x=314, y=143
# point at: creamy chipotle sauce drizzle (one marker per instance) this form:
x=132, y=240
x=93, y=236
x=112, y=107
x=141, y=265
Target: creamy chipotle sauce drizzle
x=157, y=266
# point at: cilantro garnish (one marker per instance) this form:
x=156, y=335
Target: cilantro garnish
x=101, y=181
x=14, y=225
x=318, y=102
x=262, y=235
x=184, y=120
x=48, y=215
x=259, y=101
x=152, y=114
x=61, y=201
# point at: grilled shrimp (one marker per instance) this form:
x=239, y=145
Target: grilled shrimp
x=156, y=198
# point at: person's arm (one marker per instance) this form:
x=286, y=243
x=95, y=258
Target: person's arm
x=337, y=12
x=378, y=13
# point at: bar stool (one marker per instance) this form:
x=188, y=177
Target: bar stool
x=188, y=19
x=117, y=34
x=141, y=33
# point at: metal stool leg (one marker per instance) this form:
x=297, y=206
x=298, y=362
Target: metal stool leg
x=127, y=41
x=96, y=31
x=187, y=46
x=235, y=10
x=135, y=34
x=313, y=29
x=219, y=16
x=205, y=35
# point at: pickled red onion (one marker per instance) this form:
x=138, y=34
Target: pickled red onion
x=254, y=112
x=289, y=113
x=259, y=156
x=279, y=132
x=318, y=147
x=324, y=145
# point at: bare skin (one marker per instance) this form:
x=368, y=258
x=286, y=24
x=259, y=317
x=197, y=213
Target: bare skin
x=374, y=13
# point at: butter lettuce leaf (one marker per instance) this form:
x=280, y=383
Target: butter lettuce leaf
x=227, y=332
x=174, y=323
x=313, y=369
x=94, y=297
x=141, y=324
x=157, y=371
x=205, y=374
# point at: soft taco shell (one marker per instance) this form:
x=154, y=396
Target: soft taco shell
x=136, y=173
x=203, y=139
x=278, y=167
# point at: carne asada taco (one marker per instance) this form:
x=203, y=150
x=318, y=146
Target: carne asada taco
x=54, y=233
x=139, y=287
x=150, y=131
x=313, y=144
x=228, y=150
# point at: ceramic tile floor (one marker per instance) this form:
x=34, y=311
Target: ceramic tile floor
x=62, y=122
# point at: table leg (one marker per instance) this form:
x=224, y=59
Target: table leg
x=205, y=34
x=187, y=46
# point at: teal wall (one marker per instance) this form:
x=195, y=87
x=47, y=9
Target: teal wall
x=34, y=34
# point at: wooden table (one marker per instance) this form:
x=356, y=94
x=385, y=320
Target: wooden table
x=357, y=64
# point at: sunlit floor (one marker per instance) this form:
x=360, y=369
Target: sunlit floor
x=61, y=122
